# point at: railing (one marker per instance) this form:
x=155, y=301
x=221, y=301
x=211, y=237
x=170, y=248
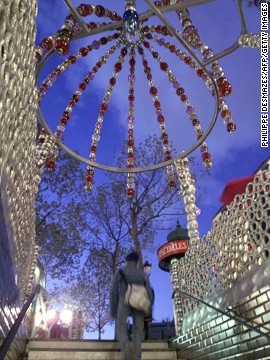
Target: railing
x=13, y=330
x=234, y=316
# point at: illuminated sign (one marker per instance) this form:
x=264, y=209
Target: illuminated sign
x=172, y=248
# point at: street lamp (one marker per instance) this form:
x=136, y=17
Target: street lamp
x=147, y=268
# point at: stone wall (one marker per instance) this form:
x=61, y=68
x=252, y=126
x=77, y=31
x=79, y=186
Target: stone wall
x=18, y=176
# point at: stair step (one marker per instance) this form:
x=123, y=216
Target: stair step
x=48, y=349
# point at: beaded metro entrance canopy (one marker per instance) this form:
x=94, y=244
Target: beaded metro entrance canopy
x=135, y=39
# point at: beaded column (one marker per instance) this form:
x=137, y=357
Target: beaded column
x=187, y=189
x=177, y=298
x=250, y=40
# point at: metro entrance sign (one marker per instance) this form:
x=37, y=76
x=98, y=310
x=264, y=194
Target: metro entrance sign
x=173, y=249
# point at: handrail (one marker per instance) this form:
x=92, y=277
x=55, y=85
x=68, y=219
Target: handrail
x=14, y=328
x=226, y=313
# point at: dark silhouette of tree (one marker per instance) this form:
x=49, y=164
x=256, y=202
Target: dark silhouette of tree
x=84, y=238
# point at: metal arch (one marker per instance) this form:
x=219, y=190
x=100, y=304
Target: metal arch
x=159, y=13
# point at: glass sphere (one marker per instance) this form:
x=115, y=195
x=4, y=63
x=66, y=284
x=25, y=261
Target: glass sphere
x=131, y=20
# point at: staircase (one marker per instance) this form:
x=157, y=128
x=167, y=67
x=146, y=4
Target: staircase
x=48, y=349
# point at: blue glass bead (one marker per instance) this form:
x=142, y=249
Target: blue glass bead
x=131, y=20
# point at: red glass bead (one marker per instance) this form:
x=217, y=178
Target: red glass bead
x=90, y=172
x=195, y=122
x=48, y=43
x=225, y=89
x=187, y=59
x=44, y=86
x=153, y=90
x=231, y=127
x=93, y=148
x=158, y=29
x=140, y=50
x=115, y=35
x=180, y=91
x=92, y=25
x=157, y=104
x=99, y=64
x=82, y=86
x=145, y=62
x=155, y=55
x=184, y=97
x=95, y=69
x=130, y=192
x=72, y=59
x=130, y=166
x=50, y=165
x=146, y=28
x=132, y=62
x=104, y=107
x=147, y=69
x=84, y=51
x=146, y=44
x=225, y=113
x=164, y=136
x=164, y=66
x=130, y=155
x=118, y=67
x=172, y=184
x=57, y=72
x=249, y=246
x=221, y=80
x=165, y=142
x=75, y=97
x=130, y=142
x=112, y=81
x=165, y=31
x=63, y=121
x=99, y=10
x=149, y=36
x=89, y=179
x=61, y=46
x=168, y=157
x=103, y=40
x=130, y=131
x=124, y=51
x=83, y=10
x=114, y=16
x=86, y=80
x=200, y=72
x=66, y=114
x=131, y=98
x=206, y=156
x=160, y=118
x=172, y=48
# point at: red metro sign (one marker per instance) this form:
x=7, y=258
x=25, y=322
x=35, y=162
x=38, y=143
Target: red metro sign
x=173, y=249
